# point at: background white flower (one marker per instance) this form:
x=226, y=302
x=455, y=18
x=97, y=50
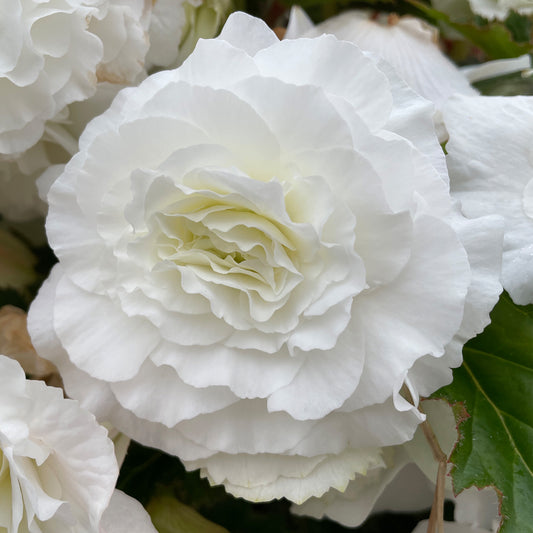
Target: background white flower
x=49, y=55
x=260, y=243
x=409, y=44
x=491, y=171
x=500, y=9
x=57, y=466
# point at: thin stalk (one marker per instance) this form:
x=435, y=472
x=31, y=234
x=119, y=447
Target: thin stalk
x=436, y=517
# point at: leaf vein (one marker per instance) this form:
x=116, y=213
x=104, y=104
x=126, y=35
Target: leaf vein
x=499, y=415
x=499, y=357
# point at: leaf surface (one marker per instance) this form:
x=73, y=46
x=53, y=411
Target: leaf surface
x=494, y=38
x=495, y=387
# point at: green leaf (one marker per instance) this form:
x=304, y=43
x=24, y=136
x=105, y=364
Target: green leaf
x=495, y=387
x=171, y=516
x=519, y=26
x=493, y=38
x=508, y=85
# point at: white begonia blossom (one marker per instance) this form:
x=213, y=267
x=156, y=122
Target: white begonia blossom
x=259, y=243
x=57, y=466
x=491, y=171
x=500, y=9
x=409, y=44
x=50, y=53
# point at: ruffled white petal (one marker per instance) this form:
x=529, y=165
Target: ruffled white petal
x=60, y=463
x=408, y=44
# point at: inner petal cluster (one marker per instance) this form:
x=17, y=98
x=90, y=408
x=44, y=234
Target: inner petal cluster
x=243, y=245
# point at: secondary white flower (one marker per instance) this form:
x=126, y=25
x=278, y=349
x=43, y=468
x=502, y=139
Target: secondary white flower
x=491, y=171
x=260, y=243
x=500, y=9
x=57, y=466
x=409, y=44
x=49, y=55
x=47, y=60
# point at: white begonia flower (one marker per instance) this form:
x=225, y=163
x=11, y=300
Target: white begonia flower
x=260, y=243
x=50, y=53
x=409, y=44
x=491, y=171
x=57, y=466
x=500, y=9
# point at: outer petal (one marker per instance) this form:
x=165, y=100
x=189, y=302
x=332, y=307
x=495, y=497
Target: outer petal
x=263, y=478
x=116, y=353
x=408, y=44
x=248, y=33
x=125, y=515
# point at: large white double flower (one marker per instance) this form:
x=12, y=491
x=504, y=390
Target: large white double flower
x=257, y=251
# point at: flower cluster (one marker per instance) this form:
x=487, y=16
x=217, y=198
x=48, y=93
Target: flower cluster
x=268, y=246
